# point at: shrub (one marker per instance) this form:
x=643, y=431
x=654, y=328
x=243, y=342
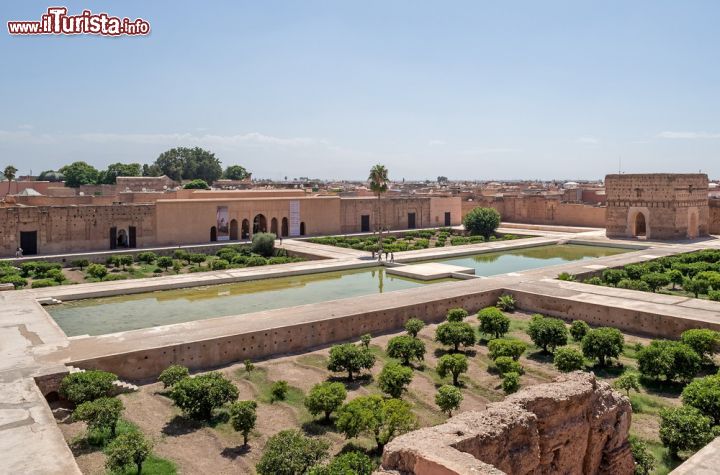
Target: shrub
x=40, y=283
x=705, y=342
x=350, y=358
x=382, y=418
x=196, y=184
x=197, y=258
x=704, y=395
x=511, y=382
x=86, y=385
x=482, y=221
x=263, y=244
x=655, y=280
x=684, y=428
x=97, y=271
x=454, y=364
x=696, y=286
x=164, y=262
x=456, y=314
x=501, y=347
x=675, y=277
x=348, y=463
x=714, y=295
x=130, y=448
x=406, y=348
x=219, y=264
x=594, y=281
x=27, y=268
x=365, y=340
x=289, y=452
x=644, y=459
x=669, y=359
x=200, y=395
x=630, y=284
x=147, y=257
x=182, y=254
x=448, y=398
x=568, y=359
x=279, y=390
x=394, y=379
x=56, y=275
x=249, y=366
x=102, y=413
x=493, y=322
x=325, y=398
x=626, y=382
x=255, y=261
x=14, y=279
x=414, y=326
x=547, y=333
x=506, y=364
x=603, y=343
x=243, y=417
x=579, y=329
x=506, y=303
x=566, y=277
x=614, y=276
x=173, y=374
x=81, y=263
x=111, y=277
x=455, y=334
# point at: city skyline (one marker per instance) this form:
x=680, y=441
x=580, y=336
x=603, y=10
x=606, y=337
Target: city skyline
x=471, y=91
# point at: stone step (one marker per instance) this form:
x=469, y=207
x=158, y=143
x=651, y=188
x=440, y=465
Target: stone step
x=119, y=386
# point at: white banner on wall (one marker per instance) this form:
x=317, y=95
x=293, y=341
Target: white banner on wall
x=294, y=218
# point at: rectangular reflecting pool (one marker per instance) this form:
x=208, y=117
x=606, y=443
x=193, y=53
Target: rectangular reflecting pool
x=503, y=262
x=131, y=312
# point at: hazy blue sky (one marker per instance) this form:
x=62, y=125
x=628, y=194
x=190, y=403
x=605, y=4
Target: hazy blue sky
x=477, y=90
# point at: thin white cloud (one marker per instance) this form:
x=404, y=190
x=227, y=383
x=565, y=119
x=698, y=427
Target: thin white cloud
x=26, y=127
x=688, y=135
x=436, y=142
x=487, y=151
x=587, y=140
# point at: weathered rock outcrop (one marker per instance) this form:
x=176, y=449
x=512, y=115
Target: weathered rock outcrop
x=575, y=425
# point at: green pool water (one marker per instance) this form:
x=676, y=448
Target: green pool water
x=502, y=262
x=131, y=312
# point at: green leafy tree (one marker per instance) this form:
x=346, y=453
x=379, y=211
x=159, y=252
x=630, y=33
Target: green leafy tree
x=348, y=463
x=350, y=358
x=705, y=342
x=568, y=359
x=79, y=173
x=200, y=395
x=173, y=374
x=502, y=347
x=325, y=398
x=196, y=184
x=454, y=364
x=279, y=390
x=9, y=173
x=547, y=333
x=263, y=244
x=406, y=348
x=86, y=386
x=382, y=418
x=448, y=398
x=613, y=276
x=235, y=172
x=164, y=262
x=603, y=343
x=109, y=176
x=456, y=315
x=579, y=329
x=455, y=334
x=51, y=176
x=684, y=428
x=704, y=394
x=414, y=326
x=493, y=322
x=365, y=340
x=289, y=452
x=627, y=382
x=672, y=360
x=97, y=271
x=102, y=413
x=655, y=280
x=482, y=221
x=394, y=379
x=676, y=277
x=644, y=459
x=379, y=184
x=696, y=286
x=80, y=263
x=243, y=417
x=511, y=382
x=129, y=448
x=506, y=364
x=189, y=164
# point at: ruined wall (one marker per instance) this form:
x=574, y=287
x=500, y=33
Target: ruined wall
x=672, y=206
x=394, y=213
x=714, y=216
x=575, y=425
x=541, y=210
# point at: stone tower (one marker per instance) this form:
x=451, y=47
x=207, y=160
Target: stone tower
x=657, y=205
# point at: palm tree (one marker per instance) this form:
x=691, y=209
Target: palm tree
x=9, y=173
x=379, y=180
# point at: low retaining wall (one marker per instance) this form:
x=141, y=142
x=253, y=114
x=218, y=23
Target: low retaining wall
x=574, y=425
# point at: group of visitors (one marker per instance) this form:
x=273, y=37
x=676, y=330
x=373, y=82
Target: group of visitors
x=380, y=255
